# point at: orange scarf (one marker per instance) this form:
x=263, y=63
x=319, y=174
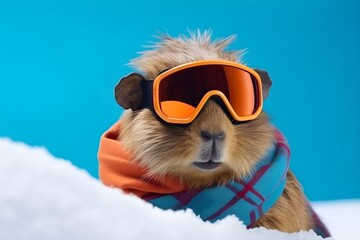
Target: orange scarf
x=117, y=169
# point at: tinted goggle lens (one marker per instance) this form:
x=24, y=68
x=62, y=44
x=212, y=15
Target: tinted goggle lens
x=182, y=93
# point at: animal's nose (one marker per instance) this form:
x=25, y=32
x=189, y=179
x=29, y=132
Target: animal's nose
x=207, y=136
x=211, y=149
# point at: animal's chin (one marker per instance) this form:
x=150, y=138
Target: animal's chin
x=207, y=166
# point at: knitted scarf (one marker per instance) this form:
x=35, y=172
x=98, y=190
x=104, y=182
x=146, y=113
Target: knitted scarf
x=248, y=198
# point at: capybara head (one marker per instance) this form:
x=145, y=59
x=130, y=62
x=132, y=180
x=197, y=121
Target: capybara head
x=210, y=150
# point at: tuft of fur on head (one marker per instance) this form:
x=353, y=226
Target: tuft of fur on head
x=173, y=51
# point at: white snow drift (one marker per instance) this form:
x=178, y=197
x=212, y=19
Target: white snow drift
x=42, y=197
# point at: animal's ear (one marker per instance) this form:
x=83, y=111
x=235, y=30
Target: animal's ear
x=266, y=82
x=128, y=92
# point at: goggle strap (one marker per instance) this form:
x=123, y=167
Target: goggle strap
x=147, y=95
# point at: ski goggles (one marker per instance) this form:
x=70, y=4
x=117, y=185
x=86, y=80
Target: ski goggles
x=181, y=92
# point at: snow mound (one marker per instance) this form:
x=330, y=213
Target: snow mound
x=43, y=197
x=342, y=218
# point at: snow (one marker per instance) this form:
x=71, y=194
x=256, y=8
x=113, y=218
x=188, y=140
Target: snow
x=341, y=217
x=43, y=197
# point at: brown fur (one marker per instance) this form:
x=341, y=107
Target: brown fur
x=171, y=150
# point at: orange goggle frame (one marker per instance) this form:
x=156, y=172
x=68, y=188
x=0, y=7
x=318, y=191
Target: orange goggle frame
x=181, y=92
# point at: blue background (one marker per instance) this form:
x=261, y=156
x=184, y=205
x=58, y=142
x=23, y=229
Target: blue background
x=60, y=60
